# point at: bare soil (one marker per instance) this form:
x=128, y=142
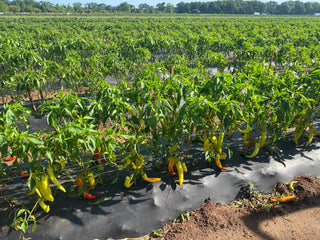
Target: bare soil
x=253, y=218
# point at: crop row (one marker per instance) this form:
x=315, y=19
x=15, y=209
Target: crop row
x=39, y=54
x=159, y=116
x=163, y=101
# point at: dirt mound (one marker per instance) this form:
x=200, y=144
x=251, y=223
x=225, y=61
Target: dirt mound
x=255, y=217
x=207, y=221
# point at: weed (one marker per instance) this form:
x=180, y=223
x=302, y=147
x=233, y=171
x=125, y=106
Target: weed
x=251, y=197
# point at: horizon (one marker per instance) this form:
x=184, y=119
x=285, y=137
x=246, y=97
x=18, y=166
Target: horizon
x=136, y=3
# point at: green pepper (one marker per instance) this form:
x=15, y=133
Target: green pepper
x=91, y=180
x=291, y=187
x=44, y=206
x=184, y=167
x=173, y=148
x=206, y=145
x=214, y=141
x=220, y=141
x=246, y=135
x=232, y=129
x=44, y=188
x=54, y=180
x=35, y=190
x=217, y=160
x=180, y=172
x=131, y=111
x=128, y=181
x=247, y=130
x=298, y=132
x=263, y=137
x=310, y=136
x=126, y=163
x=147, y=179
x=256, y=150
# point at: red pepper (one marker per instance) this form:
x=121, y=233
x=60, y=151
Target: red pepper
x=89, y=196
x=79, y=181
x=9, y=159
x=24, y=174
x=250, y=144
x=97, y=155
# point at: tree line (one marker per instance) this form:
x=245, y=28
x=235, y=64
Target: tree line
x=213, y=7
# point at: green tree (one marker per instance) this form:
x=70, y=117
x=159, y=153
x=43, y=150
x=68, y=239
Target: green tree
x=170, y=8
x=124, y=7
x=132, y=8
x=3, y=7
x=92, y=6
x=161, y=7
x=141, y=8
x=144, y=8
x=46, y=6
x=60, y=8
x=299, y=8
x=214, y=7
x=258, y=6
x=69, y=9
x=183, y=7
x=36, y=10
x=152, y=10
x=286, y=7
x=77, y=6
x=14, y=8
x=28, y=8
x=204, y=7
x=271, y=7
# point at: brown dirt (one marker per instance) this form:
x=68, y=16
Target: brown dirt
x=254, y=218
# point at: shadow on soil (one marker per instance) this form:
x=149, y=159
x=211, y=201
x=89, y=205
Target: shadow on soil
x=307, y=192
x=254, y=220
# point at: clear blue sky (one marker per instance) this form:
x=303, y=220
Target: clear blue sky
x=137, y=2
